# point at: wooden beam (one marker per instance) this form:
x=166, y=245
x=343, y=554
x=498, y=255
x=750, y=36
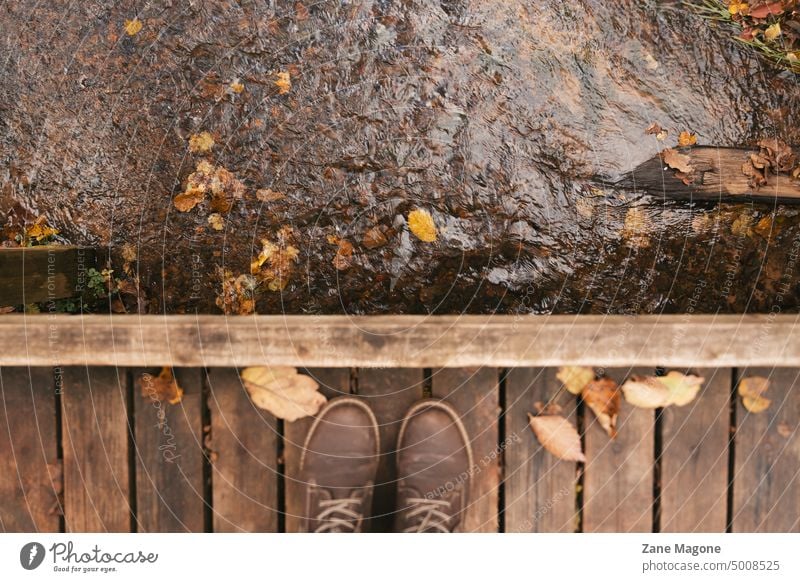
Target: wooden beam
x=36, y=274
x=718, y=176
x=400, y=341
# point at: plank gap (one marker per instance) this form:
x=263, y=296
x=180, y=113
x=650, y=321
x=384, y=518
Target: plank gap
x=658, y=453
x=580, y=468
x=501, y=447
x=427, y=383
x=207, y=435
x=731, y=452
x=58, y=384
x=132, y=499
x=280, y=466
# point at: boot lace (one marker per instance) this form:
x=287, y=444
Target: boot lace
x=427, y=515
x=339, y=515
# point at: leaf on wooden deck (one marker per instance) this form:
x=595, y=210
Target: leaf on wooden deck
x=682, y=163
x=662, y=391
x=603, y=397
x=283, y=392
x=558, y=437
x=751, y=390
x=163, y=388
x=575, y=378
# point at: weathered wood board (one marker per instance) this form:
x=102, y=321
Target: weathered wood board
x=694, y=459
x=618, y=482
x=169, y=456
x=30, y=476
x=243, y=450
x=539, y=488
x=767, y=466
x=44, y=273
x=95, y=441
x=473, y=393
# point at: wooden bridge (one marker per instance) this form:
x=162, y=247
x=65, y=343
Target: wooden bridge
x=82, y=450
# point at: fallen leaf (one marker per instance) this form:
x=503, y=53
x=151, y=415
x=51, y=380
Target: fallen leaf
x=223, y=186
x=575, y=378
x=677, y=161
x=765, y=10
x=163, y=388
x=742, y=225
x=636, y=228
x=656, y=130
x=283, y=392
x=201, y=143
x=420, y=223
x=784, y=430
x=132, y=27
x=558, y=437
x=683, y=388
x=686, y=138
x=238, y=294
x=344, y=255
x=603, y=397
x=751, y=390
x=40, y=230
x=236, y=86
x=300, y=11
x=187, y=200
x=283, y=83
x=374, y=238
x=216, y=221
x=773, y=31
x=275, y=263
x=646, y=392
x=267, y=195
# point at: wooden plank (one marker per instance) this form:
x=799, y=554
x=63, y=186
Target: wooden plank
x=403, y=340
x=244, y=450
x=694, y=460
x=169, y=456
x=95, y=443
x=473, y=392
x=767, y=465
x=718, y=176
x=390, y=393
x=28, y=454
x=332, y=382
x=618, y=481
x=44, y=273
x=539, y=488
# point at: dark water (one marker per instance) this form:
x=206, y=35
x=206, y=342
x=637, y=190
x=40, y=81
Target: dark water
x=509, y=121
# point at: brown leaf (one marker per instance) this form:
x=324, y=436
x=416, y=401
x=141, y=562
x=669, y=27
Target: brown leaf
x=374, y=238
x=656, y=130
x=686, y=138
x=344, y=255
x=282, y=391
x=678, y=161
x=162, y=388
x=267, y=195
x=785, y=430
x=766, y=10
x=661, y=391
x=557, y=436
x=603, y=397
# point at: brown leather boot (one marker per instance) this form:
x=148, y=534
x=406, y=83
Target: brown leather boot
x=338, y=465
x=434, y=462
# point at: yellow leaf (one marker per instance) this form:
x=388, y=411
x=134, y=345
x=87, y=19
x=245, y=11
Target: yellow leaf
x=163, y=388
x=282, y=391
x=646, y=392
x=575, y=378
x=738, y=8
x=40, y=230
x=682, y=388
x=283, y=83
x=751, y=390
x=132, y=27
x=420, y=222
x=201, y=143
x=216, y=221
x=686, y=138
x=237, y=86
x=772, y=32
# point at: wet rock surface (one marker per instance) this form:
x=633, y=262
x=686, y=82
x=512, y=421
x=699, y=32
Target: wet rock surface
x=507, y=121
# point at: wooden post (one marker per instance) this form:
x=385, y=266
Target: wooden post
x=36, y=274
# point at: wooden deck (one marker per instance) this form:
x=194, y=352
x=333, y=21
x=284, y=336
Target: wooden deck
x=82, y=450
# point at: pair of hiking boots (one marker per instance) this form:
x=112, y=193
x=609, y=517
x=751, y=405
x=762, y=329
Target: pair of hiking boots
x=340, y=460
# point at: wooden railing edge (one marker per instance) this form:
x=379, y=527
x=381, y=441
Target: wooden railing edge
x=400, y=340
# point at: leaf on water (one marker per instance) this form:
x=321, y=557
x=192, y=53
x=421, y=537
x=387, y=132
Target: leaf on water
x=420, y=223
x=236, y=86
x=283, y=392
x=374, y=238
x=636, y=229
x=558, y=437
x=267, y=195
x=40, y=231
x=201, y=143
x=751, y=390
x=216, y=221
x=686, y=139
x=575, y=378
x=188, y=199
x=662, y=391
x=238, y=294
x=274, y=265
x=283, y=82
x=132, y=27
x=163, y=388
x=223, y=186
x=603, y=397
